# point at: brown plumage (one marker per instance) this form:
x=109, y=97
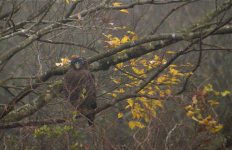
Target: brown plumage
x=79, y=87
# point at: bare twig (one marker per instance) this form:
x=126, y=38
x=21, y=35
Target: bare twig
x=169, y=135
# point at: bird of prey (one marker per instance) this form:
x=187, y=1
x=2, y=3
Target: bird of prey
x=79, y=87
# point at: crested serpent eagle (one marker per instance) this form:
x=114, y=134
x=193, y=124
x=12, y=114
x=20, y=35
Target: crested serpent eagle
x=79, y=87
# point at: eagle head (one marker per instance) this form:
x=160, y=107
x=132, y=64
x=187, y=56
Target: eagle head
x=79, y=63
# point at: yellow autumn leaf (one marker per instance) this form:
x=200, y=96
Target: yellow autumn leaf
x=120, y=65
x=131, y=32
x=132, y=62
x=124, y=11
x=175, y=72
x=136, y=113
x=164, y=61
x=107, y=35
x=65, y=60
x=154, y=114
x=113, y=95
x=128, y=85
x=161, y=79
x=117, y=4
x=199, y=116
x=117, y=81
x=149, y=88
x=205, y=121
x=138, y=71
x=173, y=65
x=114, y=42
x=170, y=52
x=134, y=124
x=174, y=80
x=67, y=1
x=120, y=115
x=157, y=88
x=194, y=99
x=130, y=102
x=190, y=113
x=225, y=93
x=208, y=88
x=150, y=92
x=188, y=73
x=143, y=62
x=195, y=119
x=143, y=99
x=125, y=39
x=216, y=93
x=135, y=37
x=208, y=117
x=212, y=122
x=59, y=64
x=213, y=102
x=120, y=90
x=189, y=107
x=158, y=103
x=216, y=128
x=157, y=58
x=168, y=92
x=142, y=92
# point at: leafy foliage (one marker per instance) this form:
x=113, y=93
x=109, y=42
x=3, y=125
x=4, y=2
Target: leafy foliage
x=47, y=131
x=202, y=104
x=151, y=99
x=63, y=62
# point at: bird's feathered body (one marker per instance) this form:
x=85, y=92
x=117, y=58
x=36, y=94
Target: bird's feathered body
x=80, y=90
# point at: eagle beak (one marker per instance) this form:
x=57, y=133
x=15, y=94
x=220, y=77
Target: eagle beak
x=77, y=66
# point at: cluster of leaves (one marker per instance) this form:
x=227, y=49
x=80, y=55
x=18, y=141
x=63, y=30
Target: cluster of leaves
x=59, y=131
x=63, y=61
x=52, y=132
x=202, y=103
x=113, y=41
x=116, y=4
x=133, y=72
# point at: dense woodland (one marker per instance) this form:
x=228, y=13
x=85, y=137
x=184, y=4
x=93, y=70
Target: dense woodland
x=162, y=69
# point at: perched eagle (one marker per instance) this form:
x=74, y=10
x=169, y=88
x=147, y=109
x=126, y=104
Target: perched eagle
x=79, y=87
